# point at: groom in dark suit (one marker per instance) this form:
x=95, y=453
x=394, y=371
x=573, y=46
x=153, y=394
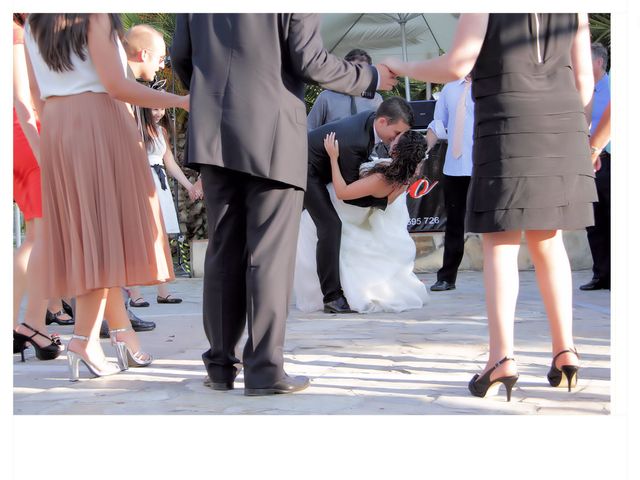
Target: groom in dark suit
x=248, y=137
x=362, y=137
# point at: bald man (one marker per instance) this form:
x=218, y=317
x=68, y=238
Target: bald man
x=146, y=51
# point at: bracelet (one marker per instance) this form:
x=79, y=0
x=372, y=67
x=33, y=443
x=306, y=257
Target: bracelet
x=595, y=150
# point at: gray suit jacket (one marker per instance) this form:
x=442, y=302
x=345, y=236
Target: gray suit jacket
x=246, y=75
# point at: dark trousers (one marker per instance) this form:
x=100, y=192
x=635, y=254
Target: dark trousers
x=599, y=235
x=455, y=202
x=329, y=227
x=248, y=273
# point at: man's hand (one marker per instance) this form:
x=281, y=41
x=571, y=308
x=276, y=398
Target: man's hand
x=386, y=78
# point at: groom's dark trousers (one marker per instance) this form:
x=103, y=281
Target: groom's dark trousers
x=356, y=139
x=248, y=136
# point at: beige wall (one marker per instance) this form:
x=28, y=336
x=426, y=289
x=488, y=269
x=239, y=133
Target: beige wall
x=430, y=247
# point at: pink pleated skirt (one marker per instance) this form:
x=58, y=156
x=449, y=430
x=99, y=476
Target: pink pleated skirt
x=102, y=224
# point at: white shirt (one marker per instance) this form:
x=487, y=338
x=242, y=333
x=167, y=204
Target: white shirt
x=83, y=77
x=444, y=124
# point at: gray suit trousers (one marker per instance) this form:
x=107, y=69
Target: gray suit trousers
x=248, y=274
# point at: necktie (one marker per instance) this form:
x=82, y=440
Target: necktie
x=381, y=150
x=460, y=114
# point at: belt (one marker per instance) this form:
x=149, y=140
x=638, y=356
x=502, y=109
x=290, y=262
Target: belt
x=159, y=169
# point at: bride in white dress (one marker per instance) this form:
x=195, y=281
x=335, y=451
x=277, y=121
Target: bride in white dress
x=376, y=252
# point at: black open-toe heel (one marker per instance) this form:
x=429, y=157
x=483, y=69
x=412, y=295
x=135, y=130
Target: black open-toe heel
x=481, y=385
x=49, y=352
x=55, y=318
x=565, y=376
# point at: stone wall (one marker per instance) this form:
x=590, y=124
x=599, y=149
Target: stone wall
x=430, y=246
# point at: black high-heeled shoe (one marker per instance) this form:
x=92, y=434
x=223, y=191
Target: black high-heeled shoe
x=55, y=318
x=481, y=385
x=48, y=352
x=17, y=343
x=565, y=376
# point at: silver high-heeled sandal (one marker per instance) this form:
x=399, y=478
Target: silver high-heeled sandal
x=74, y=360
x=127, y=358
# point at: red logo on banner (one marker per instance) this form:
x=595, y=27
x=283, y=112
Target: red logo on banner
x=421, y=187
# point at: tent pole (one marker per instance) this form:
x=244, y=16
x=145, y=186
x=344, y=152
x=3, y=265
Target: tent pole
x=407, y=88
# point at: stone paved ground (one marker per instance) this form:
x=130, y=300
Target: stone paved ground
x=416, y=362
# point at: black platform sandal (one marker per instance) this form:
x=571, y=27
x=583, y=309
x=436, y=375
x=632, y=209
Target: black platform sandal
x=49, y=352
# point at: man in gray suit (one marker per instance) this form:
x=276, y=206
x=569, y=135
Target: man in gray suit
x=247, y=136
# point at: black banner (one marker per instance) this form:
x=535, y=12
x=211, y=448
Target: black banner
x=425, y=199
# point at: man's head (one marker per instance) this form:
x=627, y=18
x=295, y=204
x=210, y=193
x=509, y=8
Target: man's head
x=146, y=51
x=599, y=58
x=358, y=56
x=393, y=117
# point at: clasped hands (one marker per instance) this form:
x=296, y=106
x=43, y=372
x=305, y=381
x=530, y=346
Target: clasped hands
x=388, y=71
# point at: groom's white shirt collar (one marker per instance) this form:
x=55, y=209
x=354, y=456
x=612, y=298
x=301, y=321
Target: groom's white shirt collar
x=376, y=138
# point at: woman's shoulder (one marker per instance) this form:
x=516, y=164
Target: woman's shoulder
x=18, y=34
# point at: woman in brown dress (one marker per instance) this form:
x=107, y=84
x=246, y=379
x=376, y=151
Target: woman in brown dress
x=102, y=226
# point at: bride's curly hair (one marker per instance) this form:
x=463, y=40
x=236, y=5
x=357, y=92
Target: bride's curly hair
x=406, y=155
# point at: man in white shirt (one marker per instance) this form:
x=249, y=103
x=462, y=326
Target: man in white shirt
x=453, y=121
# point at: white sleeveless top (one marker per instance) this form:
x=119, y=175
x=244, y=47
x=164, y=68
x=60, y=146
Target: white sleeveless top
x=157, y=150
x=83, y=77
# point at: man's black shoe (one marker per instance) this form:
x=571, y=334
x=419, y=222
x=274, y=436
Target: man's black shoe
x=137, y=324
x=221, y=386
x=140, y=325
x=596, y=284
x=286, y=385
x=339, y=305
x=442, y=285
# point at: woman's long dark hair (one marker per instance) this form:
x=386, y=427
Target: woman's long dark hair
x=149, y=130
x=406, y=154
x=58, y=34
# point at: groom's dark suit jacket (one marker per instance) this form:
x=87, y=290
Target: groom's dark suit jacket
x=246, y=73
x=356, y=141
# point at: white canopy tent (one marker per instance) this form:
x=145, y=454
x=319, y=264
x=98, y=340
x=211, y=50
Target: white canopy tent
x=410, y=36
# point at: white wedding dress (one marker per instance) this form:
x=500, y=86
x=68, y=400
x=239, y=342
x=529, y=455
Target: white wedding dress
x=376, y=260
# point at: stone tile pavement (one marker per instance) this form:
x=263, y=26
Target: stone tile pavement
x=416, y=362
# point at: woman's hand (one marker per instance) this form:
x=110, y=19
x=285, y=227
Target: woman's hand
x=398, y=67
x=331, y=146
x=195, y=190
x=595, y=159
x=197, y=186
x=184, y=102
